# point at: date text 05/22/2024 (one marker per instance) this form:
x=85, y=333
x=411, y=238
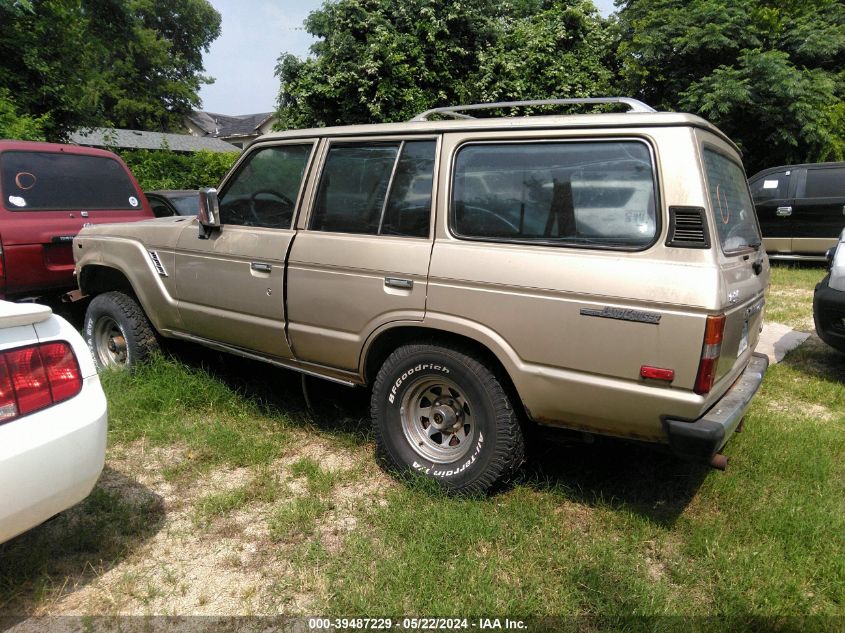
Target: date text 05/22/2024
x=416, y=624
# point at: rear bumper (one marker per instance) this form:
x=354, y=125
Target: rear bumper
x=829, y=314
x=702, y=438
x=50, y=460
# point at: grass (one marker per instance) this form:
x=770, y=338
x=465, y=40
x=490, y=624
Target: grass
x=299, y=517
x=82, y=542
x=165, y=402
x=264, y=488
x=790, y=297
x=614, y=533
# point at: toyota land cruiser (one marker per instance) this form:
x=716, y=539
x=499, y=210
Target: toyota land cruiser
x=599, y=272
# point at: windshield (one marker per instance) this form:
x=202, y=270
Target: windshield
x=733, y=211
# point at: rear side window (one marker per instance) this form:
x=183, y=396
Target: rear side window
x=568, y=193
x=733, y=211
x=825, y=183
x=47, y=181
x=376, y=189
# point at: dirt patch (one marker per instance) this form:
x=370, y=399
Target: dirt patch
x=811, y=412
x=232, y=566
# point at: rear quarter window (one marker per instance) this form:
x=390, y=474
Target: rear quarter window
x=572, y=193
x=733, y=211
x=48, y=181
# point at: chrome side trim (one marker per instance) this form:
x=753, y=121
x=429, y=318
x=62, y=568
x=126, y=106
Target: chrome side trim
x=157, y=263
x=339, y=376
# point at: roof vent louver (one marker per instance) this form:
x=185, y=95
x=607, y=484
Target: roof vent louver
x=688, y=228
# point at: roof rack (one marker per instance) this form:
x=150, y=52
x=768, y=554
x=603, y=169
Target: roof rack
x=456, y=112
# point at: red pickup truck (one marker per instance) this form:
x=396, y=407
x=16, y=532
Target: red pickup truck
x=48, y=192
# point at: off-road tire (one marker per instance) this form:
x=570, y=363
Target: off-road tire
x=128, y=319
x=495, y=442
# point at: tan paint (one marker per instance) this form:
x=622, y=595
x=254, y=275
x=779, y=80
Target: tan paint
x=522, y=302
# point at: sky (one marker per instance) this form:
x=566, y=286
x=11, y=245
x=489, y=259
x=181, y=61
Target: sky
x=243, y=59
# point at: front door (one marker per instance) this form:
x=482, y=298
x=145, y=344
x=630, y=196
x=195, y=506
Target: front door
x=774, y=205
x=230, y=287
x=362, y=259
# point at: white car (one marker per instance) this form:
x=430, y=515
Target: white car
x=829, y=299
x=52, y=417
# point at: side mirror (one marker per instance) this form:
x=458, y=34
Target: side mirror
x=209, y=212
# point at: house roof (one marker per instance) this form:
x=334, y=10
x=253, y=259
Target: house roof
x=137, y=139
x=214, y=124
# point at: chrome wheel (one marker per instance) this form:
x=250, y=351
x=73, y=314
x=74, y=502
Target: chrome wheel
x=109, y=343
x=437, y=419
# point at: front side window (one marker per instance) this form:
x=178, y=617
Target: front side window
x=733, y=211
x=771, y=186
x=49, y=181
x=264, y=190
x=569, y=193
x=376, y=189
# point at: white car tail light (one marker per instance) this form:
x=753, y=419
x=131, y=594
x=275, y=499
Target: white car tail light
x=36, y=377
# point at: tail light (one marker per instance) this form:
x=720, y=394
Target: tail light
x=36, y=377
x=710, y=352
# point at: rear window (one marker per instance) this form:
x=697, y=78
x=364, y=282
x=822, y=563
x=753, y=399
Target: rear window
x=733, y=211
x=567, y=193
x=46, y=181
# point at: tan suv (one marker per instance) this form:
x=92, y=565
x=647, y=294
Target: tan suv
x=598, y=272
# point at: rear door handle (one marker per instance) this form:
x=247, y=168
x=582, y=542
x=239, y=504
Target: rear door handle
x=261, y=267
x=784, y=212
x=397, y=282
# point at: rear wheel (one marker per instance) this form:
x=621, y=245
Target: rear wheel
x=442, y=413
x=118, y=332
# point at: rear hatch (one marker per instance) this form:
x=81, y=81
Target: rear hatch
x=46, y=197
x=742, y=260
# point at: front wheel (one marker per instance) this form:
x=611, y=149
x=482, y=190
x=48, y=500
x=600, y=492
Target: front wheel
x=118, y=332
x=442, y=413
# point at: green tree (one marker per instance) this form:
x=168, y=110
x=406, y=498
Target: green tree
x=14, y=125
x=123, y=63
x=153, y=81
x=43, y=61
x=163, y=169
x=386, y=60
x=769, y=73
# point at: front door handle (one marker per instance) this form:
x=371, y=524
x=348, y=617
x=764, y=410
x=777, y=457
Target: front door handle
x=397, y=282
x=261, y=267
x=784, y=212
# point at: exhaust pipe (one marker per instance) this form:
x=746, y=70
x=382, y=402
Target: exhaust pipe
x=719, y=461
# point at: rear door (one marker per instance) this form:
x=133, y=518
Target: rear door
x=361, y=259
x=773, y=200
x=744, y=267
x=819, y=209
x=231, y=287
x=45, y=199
